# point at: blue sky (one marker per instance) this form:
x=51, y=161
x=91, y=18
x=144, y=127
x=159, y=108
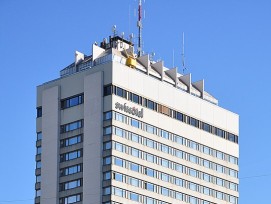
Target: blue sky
x=227, y=43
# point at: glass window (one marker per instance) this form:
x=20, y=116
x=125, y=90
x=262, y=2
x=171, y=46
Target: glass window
x=119, y=117
x=206, y=191
x=219, y=181
x=119, y=132
x=206, y=150
x=39, y=112
x=107, y=191
x=135, y=123
x=206, y=127
x=193, y=122
x=39, y=136
x=135, y=98
x=134, y=182
x=219, y=155
x=71, y=170
x=206, y=177
x=38, y=193
x=107, y=90
x=71, y=141
x=108, y=115
x=193, y=172
x=135, y=137
x=108, y=130
x=179, y=116
x=164, y=148
x=119, y=192
x=134, y=167
x=179, y=168
x=134, y=196
x=193, y=145
x=192, y=186
x=119, y=162
x=38, y=178
x=119, y=147
x=206, y=163
x=38, y=164
x=179, y=154
x=150, y=143
x=119, y=92
x=178, y=139
x=107, y=160
x=38, y=150
x=219, y=168
x=164, y=191
x=165, y=163
x=149, y=172
x=164, y=177
x=72, y=184
x=149, y=201
x=73, y=101
x=149, y=186
x=164, y=134
x=219, y=132
x=193, y=158
x=107, y=175
x=179, y=196
x=231, y=137
x=150, y=129
x=118, y=177
x=150, y=158
x=107, y=145
x=219, y=195
x=193, y=200
x=179, y=182
x=135, y=152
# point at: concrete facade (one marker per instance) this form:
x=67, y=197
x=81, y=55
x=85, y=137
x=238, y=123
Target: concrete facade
x=93, y=152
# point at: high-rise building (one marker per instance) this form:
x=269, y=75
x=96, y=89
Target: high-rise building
x=120, y=128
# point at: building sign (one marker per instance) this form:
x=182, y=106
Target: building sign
x=130, y=110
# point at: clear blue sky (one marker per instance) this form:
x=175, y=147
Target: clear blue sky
x=228, y=43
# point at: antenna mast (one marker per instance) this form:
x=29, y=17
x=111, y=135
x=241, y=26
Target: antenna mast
x=183, y=57
x=139, y=25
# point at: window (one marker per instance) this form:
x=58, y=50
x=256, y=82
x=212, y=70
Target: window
x=193, y=172
x=150, y=143
x=164, y=148
x=108, y=130
x=38, y=150
x=107, y=145
x=179, y=182
x=70, y=185
x=164, y=134
x=107, y=160
x=150, y=158
x=119, y=147
x=71, y=155
x=149, y=186
x=193, y=145
x=71, y=141
x=179, y=154
x=219, y=168
x=206, y=163
x=165, y=163
x=107, y=175
x=192, y=186
x=206, y=191
x=71, y=170
x=39, y=136
x=71, y=126
x=134, y=182
x=219, y=155
x=39, y=112
x=120, y=92
x=164, y=177
x=134, y=196
x=219, y=132
x=135, y=137
x=194, y=122
x=38, y=193
x=38, y=164
x=206, y=177
x=206, y=150
x=231, y=137
x=72, y=101
x=135, y=123
x=107, y=90
x=134, y=167
x=108, y=115
x=135, y=152
x=219, y=195
x=150, y=129
x=179, y=196
x=178, y=139
x=149, y=172
x=118, y=177
x=219, y=181
x=119, y=132
x=179, y=116
x=118, y=192
x=206, y=127
x=135, y=98
x=70, y=199
x=38, y=178
x=107, y=191
x=164, y=191
x=119, y=162
x=193, y=158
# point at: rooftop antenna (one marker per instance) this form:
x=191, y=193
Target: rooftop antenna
x=183, y=56
x=114, y=30
x=139, y=25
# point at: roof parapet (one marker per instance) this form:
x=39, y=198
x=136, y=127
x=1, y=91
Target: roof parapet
x=186, y=79
x=200, y=86
x=145, y=61
x=159, y=67
x=173, y=74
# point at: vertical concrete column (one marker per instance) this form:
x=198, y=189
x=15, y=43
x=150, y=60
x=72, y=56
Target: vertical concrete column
x=50, y=141
x=92, y=155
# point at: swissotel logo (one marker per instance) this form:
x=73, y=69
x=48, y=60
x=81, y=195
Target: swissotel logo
x=127, y=109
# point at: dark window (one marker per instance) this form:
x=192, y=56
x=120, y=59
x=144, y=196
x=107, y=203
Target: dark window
x=179, y=116
x=194, y=122
x=71, y=170
x=135, y=98
x=232, y=137
x=39, y=136
x=206, y=127
x=72, y=101
x=108, y=90
x=71, y=155
x=150, y=104
x=119, y=92
x=219, y=132
x=71, y=141
x=71, y=126
x=39, y=112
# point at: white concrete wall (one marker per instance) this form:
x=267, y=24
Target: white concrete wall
x=50, y=144
x=92, y=156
